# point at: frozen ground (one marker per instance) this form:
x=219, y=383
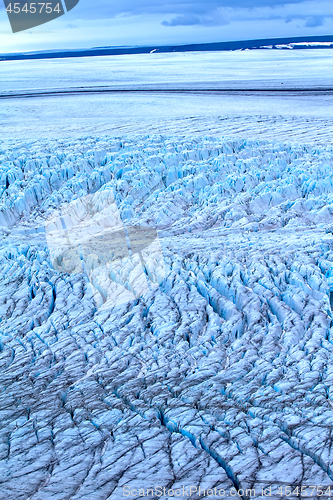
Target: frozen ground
x=197, y=349
x=302, y=116
x=239, y=69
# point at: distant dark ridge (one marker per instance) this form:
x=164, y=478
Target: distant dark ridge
x=200, y=47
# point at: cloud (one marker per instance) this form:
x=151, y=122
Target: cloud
x=158, y=22
x=314, y=21
x=216, y=18
x=183, y=21
x=185, y=12
x=310, y=21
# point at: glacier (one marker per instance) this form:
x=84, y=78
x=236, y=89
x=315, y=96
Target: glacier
x=203, y=93
x=206, y=363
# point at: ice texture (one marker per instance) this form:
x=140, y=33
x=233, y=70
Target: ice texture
x=87, y=236
x=218, y=375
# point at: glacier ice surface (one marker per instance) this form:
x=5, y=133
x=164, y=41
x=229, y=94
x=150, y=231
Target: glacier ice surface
x=219, y=374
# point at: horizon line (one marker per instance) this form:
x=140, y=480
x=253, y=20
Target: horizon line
x=250, y=44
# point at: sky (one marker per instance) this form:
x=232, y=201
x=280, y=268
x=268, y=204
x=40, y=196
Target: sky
x=96, y=23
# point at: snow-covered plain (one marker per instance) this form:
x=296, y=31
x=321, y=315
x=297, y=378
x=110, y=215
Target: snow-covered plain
x=238, y=69
x=207, y=360
x=300, y=116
